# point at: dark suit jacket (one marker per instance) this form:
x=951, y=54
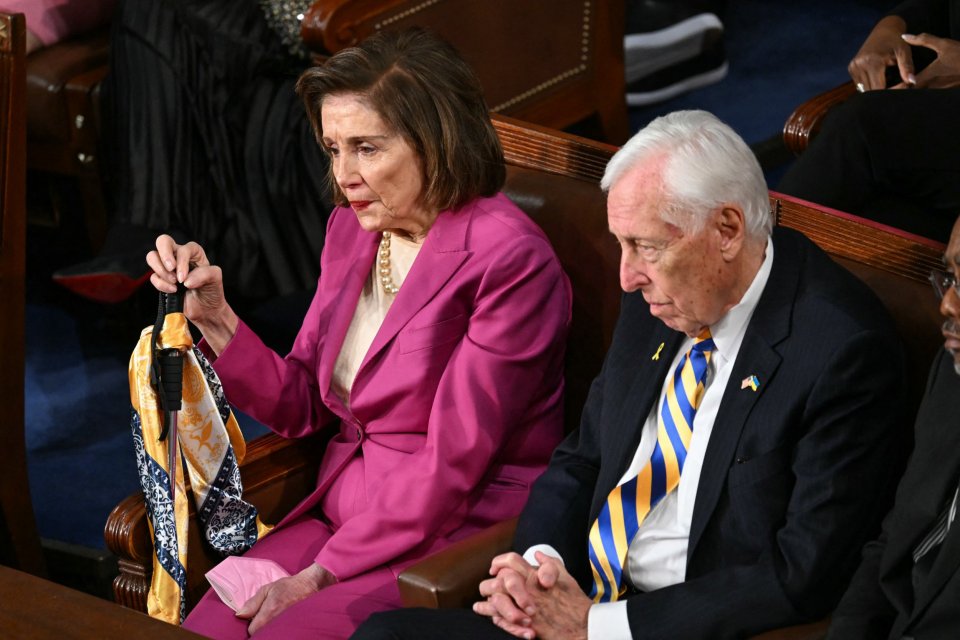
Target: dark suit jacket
x=881, y=601
x=791, y=485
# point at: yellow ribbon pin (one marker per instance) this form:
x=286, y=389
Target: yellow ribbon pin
x=656, y=356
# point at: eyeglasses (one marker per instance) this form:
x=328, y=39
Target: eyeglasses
x=943, y=282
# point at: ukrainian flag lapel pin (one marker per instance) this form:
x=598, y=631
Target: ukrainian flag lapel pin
x=656, y=356
x=750, y=382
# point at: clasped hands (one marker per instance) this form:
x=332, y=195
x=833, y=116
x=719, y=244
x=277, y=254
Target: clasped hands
x=534, y=602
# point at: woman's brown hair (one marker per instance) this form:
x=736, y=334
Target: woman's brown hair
x=427, y=93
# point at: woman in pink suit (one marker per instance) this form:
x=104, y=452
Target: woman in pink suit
x=433, y=347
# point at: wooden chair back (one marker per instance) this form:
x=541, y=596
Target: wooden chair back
x=19, y=542
x=553, y=62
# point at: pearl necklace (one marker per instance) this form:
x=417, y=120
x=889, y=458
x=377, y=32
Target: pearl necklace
x=386, y=279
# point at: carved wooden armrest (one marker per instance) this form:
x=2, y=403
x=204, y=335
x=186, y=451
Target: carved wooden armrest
x=448, y=579
x=806, y=119
x=277, y=473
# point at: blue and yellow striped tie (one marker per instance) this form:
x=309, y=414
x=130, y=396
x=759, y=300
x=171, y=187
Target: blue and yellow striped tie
x=629, y=503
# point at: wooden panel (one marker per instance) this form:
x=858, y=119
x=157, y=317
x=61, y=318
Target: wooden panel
x=554, y=63
x=41, y=610
x=21, y=544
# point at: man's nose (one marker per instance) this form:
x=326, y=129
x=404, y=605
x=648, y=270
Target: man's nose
x=950, y=304
x=632, y=273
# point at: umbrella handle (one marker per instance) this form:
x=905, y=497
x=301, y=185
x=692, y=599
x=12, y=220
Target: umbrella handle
x=167, y=368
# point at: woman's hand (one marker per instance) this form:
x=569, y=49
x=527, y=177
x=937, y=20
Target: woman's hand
x=883, y=48
x=204, y=305
x=272, y=599
x=943, y=72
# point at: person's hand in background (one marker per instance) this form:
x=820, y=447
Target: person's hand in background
x=883, y=48
x=943, y=72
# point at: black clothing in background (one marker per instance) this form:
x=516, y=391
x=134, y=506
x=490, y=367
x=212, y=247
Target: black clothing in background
x=882, y=601
x=208, y=138
x=892, y=156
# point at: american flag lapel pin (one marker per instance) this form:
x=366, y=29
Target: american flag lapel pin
x=750, y=382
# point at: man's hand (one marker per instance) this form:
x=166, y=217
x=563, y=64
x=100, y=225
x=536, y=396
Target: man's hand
x=943, y=72
x=508, y=602
x=534, y=602
x=271, y=599
x=560, y=607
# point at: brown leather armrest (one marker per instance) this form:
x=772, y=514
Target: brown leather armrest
x=448, y=579
x=805, y=121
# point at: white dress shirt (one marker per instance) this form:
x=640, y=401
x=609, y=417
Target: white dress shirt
x=657, y=555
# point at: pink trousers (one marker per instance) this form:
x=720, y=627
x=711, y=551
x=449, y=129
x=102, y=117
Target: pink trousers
x=333, y=613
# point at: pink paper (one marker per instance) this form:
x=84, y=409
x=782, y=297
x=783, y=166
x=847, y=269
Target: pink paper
x=237, y=578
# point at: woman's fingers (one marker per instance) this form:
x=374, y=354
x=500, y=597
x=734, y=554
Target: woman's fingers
x=166, y=250
x=189, y=256
x=905, y=64
x=162, y=279
x=199, y=277
x=179, y=259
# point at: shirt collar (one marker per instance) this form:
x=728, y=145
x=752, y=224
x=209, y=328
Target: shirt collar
x=728, y=332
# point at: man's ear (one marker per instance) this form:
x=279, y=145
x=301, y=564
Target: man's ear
x=732, y=227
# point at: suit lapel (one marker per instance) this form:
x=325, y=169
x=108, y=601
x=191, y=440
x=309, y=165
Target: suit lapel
x=769, y=325
x=346, y=278
x=929, y=481
x=442, y=253
x=944, y=568
x=654, y=356
x=938, y=482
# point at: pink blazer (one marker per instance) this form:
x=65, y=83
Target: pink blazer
x=457, y=405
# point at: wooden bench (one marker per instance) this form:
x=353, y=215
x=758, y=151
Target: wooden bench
x=554, y=178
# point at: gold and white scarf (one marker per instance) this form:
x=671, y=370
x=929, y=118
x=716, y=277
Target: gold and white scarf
x=211, y=447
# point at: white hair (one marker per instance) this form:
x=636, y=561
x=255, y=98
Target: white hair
x=707, y=165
